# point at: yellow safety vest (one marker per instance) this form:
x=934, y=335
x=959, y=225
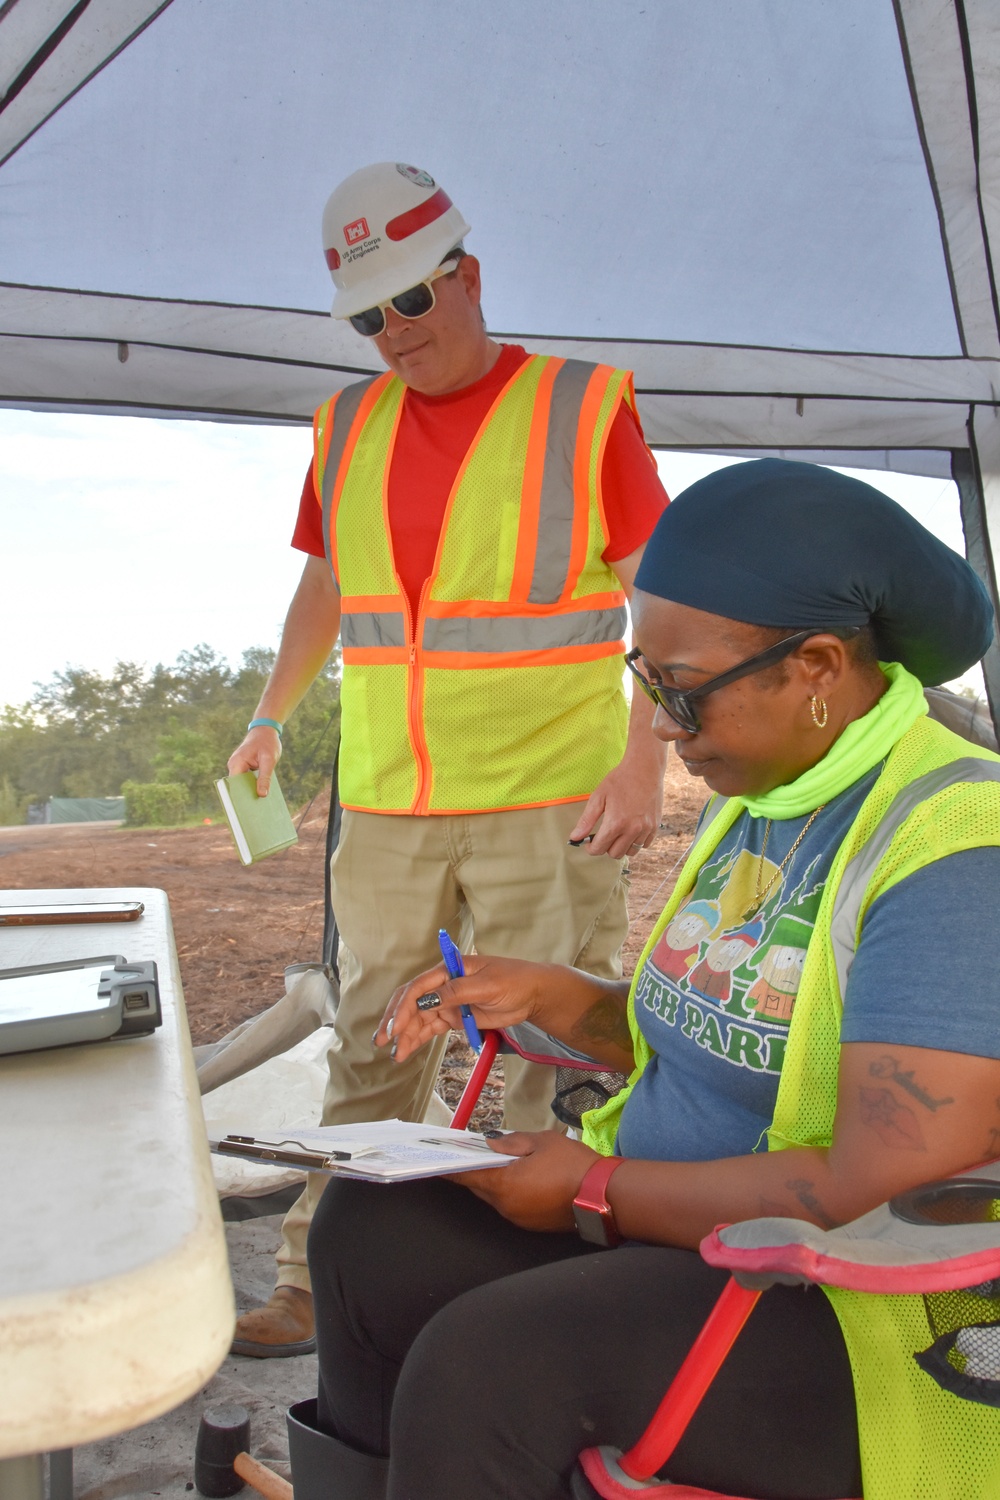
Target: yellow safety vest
x=506, y=689
x=918, y=1442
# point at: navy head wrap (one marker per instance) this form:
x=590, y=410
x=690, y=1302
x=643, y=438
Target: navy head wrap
x=791, y=544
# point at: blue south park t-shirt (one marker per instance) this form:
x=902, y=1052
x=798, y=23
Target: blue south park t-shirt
x=715, y=997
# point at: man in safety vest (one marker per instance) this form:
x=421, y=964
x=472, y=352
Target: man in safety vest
x=474, y=519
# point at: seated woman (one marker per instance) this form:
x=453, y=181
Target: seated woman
x=471, y=1342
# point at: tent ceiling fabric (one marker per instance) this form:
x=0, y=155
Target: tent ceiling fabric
x=79, y=36
x=776, y=211
x=779, y=213
x=260, y=364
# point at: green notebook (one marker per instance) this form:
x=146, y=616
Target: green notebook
x=260, y=825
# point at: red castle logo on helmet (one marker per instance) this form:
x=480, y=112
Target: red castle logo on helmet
x=354, y=233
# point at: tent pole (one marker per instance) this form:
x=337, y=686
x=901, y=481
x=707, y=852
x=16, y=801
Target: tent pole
x=977, y=485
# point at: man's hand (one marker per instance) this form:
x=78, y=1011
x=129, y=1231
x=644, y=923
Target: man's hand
x=259, y=750
x=536, y=1192
x=311, y=628
x=622, y=814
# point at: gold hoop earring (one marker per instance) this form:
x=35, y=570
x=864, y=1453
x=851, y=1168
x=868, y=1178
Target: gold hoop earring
x=820, y=715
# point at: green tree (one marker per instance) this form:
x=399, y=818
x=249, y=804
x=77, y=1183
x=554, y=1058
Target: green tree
x=13, y=806
x=83, y=734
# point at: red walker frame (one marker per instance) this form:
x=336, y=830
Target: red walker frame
x=603, y=1472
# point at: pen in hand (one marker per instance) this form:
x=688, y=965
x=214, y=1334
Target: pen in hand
x=456, y=969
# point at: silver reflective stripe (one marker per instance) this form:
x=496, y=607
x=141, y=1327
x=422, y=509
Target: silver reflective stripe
x=714, y=808
x=859, y=870
x=383, y=629
x=585, y=627
x=344, y=411
x=555, y=517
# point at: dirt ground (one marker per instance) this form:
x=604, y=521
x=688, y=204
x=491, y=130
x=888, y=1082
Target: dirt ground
x=236, y=929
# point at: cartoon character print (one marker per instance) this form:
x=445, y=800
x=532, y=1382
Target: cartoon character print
x=713, y=977
x=773, y=994
x=677, y=948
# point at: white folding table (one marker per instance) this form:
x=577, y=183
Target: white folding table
x=116, y=1301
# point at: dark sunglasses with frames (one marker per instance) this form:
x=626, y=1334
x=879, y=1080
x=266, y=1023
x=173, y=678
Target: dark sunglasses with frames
x=679, y=702
x=415, y=302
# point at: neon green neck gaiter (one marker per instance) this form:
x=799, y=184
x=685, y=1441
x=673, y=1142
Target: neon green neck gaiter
x=862, y=745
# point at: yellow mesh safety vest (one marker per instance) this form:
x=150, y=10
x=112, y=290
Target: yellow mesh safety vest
x=506, y=689
x=917, y=1441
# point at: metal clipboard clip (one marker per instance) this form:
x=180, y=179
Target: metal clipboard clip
x=251, y=1149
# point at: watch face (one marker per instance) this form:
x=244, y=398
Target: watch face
x=595, y=1225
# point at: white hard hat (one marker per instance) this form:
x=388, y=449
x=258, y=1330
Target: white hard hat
x=386, y=228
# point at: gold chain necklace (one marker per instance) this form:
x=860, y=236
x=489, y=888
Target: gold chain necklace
x=761, y=895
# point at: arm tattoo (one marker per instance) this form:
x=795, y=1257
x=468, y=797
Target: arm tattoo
x=605, y=1021
x=770, y=1208
x=803, y=1191
x=991, y=1151
x=887, y=1067
x=894, y=1124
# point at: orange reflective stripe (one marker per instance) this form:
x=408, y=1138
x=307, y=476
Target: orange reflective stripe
x=454, y=812
x=448, y=609
x=531, y=488
x=589, y=413
x=370, y=603
x=472, y=660
x=376, y=656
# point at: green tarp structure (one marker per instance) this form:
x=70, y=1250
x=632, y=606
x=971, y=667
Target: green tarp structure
x=84, y=809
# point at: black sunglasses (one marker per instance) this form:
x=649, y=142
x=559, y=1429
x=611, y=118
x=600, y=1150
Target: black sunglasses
x=678, y=702
x=416, y=302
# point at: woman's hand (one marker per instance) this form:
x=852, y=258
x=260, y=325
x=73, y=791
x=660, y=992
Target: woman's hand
x=500, y=991
x=589, y=1014
x=537, y=1191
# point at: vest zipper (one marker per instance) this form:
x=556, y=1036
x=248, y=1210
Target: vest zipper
x=415, y=707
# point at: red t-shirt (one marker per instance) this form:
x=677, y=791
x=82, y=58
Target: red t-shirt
x=435, y=433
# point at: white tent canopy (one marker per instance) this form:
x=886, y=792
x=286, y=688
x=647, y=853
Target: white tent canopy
x=779, y=213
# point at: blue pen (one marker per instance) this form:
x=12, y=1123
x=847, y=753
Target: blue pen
x=456, y=970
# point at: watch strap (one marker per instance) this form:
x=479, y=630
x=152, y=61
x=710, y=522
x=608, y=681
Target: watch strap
x=594, y=1215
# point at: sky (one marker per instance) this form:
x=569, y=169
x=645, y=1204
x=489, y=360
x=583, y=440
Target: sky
x=134, y=538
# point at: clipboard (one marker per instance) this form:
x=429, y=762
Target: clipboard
x=374, y=1150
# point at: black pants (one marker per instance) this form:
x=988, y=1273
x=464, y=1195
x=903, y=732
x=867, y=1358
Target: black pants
x=483, y=1357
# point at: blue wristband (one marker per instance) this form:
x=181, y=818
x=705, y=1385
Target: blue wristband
x=265, y=724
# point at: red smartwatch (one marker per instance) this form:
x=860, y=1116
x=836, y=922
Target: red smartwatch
x=595, y=1219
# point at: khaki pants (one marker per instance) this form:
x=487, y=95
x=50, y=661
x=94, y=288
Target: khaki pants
x=506, y=882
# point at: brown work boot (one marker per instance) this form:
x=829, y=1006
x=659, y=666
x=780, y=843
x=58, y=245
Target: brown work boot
x=283, y=1327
